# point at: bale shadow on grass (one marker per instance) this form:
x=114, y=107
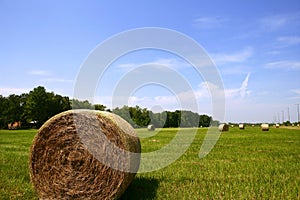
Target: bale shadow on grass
x=141, y=189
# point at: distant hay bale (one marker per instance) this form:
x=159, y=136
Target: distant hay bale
x=151, y=127
x=81, y=154
x=277, y=125
x=264, y=127
x=241, y=126
x=223, y=127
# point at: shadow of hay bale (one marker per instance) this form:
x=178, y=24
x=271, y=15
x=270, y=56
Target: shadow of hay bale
x=141, y=189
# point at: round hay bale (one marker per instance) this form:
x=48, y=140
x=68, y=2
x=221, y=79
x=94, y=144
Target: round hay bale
x=81, y=154
x=277, y=125
x=223, y=127
x=151, y=127
x=265, y=127
x=241, y=126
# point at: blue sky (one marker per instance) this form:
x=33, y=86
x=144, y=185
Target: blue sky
x=254, y=44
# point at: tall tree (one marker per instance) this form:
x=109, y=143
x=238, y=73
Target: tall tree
x=205, y=121
x=124, y=113
x=37, y=105
x=3, y=112
x=15, y=108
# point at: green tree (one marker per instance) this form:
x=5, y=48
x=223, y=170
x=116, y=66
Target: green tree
x=14, y=108
x=139, y=116
x=76, y=104
x=124, y=113
x=3, y=112
x=189, y=119
x=287, y=123
x=173, y=118
x=57, y=103
x=158, y=119
x=37, y=106
x=100, y=107
x=205, y=121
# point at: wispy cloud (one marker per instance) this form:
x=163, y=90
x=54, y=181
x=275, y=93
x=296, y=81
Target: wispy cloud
x=297, y=93
x=209, y=22
x=259, y=27
x=6, y=91
x=167, y=62
x=237, y=57
x=287, y=41
x=240, y=92
x=284, y=64
x=244, y=86
x=57, y=80
x=279, y=21
x=39, y=72
x=183, y=100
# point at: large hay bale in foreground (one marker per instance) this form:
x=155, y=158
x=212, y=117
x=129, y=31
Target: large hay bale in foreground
x=223, y=127
x=265, y=127
x=84, y=155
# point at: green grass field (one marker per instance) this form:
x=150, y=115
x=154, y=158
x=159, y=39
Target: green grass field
x=244, y=164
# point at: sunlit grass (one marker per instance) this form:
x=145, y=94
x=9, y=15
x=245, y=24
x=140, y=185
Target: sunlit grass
x=244, y=164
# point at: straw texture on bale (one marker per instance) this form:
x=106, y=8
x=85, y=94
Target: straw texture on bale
x=265, y=127
x=223, y=127
x=64, y=157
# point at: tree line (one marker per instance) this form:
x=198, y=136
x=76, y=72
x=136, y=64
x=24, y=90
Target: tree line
x=38, y=106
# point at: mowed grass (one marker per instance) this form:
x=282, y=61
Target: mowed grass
x=14, y=171
x=244, y=164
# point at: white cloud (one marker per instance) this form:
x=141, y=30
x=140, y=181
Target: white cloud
x=167, y=62
x=286, y=41
x=297, y=93
x=274, y=22
x=209, y=22
x=184, y=100
x=243, y=88
x=39, y=72
x=57, y=80
x=6, y=91
x=230, y=93
x=279, y=21
x=284, y=64
x=240, y=92
x=237, y=57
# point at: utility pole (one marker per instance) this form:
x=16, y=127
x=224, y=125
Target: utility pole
x=298, y=111
x=278, y=118
x=282, y=116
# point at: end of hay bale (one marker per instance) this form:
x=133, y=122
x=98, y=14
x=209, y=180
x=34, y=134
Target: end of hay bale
x=264, y=127
x=241, y=126
x=151, y=127
x=223, y=127
x=82, y=154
